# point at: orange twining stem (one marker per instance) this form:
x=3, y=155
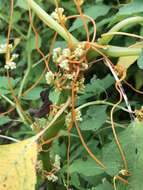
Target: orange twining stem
x=92, y=21
x=133, y=88
x=122, y=179
x=8, y=111
x=77, y=3
x=44, y=71
x=9, y=29
x=7, y=59
x=50, y=140
x=114, y=131
x=87, y=149
x=36, y=35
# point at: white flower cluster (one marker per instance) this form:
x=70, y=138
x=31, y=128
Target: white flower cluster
x=60, y=57
x=58, y=15
x=49, y=77
x=52, y=177
x=57, y=162
x=79, y=51
x=78, y=117
x=3, y=47
x=10, y=64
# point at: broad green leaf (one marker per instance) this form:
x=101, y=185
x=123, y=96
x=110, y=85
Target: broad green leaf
x=140, y=61
x=94, y=118
x=92, y=11
x=135, y=181
x=130, y=9
x=104, y=186
x=34, y=94
x=17, y=166
x=96, y=87
x=4, y=120
x=86, y=168
x=131, y=141
x=4, y=82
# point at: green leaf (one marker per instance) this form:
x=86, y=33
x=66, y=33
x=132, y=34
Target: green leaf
x=4, y=82
x=130, y=9
x=138, y=79
x=54, y=96
x=17, y=166
x=96, y=87
x=140, y=61
x=92, y=11
x=31, y=43
x=34, y=94
x=4, y=120
x=94, y=118
x=86, y=168
x=22, y=4
x=104, y=186
x=16, y=16
x=131, y=141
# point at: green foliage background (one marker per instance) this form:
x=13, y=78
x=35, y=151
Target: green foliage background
x=99, y=86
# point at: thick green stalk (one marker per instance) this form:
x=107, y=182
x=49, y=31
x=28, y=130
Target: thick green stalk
x=112, y=51
x=48, y=20
x=124, y=23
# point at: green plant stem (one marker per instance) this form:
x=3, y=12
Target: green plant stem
x=48, y=20
x=124, y=23
x=7, y=99
x=9, y=138
x=26, y=73
x=100, y=102
x=112, y=51
x=17, y=108
x=28, y=60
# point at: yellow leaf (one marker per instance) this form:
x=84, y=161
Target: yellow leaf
x=17, y=165
x=127, y=61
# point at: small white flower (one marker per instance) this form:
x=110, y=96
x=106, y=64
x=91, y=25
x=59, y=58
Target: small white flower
x=85, y=65
x=3, y=47
x=52, y=177
x=66, y=52
x=58, y=15
x=78, y=52
x=57, y=162
x=56, y=53
x=78, y=115
x=69, y=76
x=15, y=55
x=64, y=64
x=57, y=50
x=10, y=65
x=49, y=77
